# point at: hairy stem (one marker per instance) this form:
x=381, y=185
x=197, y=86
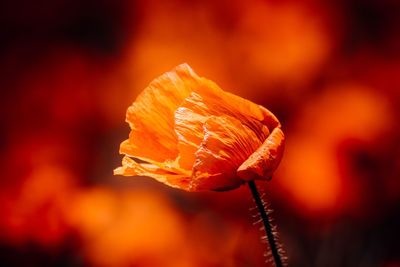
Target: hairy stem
x=267, y=225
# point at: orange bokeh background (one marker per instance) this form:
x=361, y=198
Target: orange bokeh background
x=329, y=70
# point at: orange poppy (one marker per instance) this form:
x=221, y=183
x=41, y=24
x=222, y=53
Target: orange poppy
x=188, y=133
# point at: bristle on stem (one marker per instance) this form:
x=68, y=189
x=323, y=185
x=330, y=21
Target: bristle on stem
x=268, y=228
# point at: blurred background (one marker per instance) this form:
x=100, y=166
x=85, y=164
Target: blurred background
x=329, y=70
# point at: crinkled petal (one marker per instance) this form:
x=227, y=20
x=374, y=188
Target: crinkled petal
x=227, y=144
x=204, y=103
x=264, y=161
x=189, y=128
x=221, y=102
x=151, y=116
x=168, y=165
x=133, y=168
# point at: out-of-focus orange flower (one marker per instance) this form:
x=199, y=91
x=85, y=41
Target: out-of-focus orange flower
x=313, y=172
x=124, y=229
x=33, y=210
x=190, y=134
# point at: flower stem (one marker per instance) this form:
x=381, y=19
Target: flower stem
x=267, y=225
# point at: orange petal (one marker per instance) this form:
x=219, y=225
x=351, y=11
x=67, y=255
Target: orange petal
x=221, y=102
x=263, y=162
x=269, y=119
x=133, y=168
x=189, y=120
x=151, y=116
x=207, y=101
x=168, y=165
x=226, y=145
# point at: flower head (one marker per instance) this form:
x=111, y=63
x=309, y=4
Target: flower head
x=188, y=133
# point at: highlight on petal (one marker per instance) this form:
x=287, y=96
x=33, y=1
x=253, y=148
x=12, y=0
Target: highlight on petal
x=133, y=168
x=263, y=162
x=151, y=116
x=217, y=102
x=227, y=144
x=208, y=101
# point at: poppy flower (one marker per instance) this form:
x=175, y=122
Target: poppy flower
x=188, y=133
